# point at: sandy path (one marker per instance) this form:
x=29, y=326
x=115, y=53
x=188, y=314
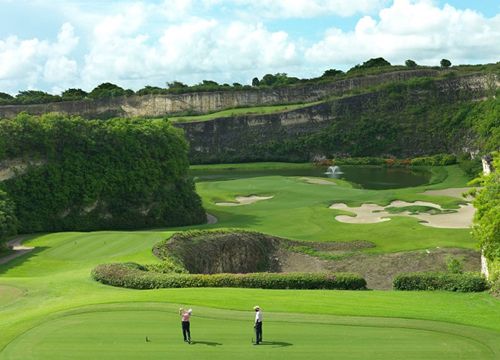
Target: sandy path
x=244, y=200
x=211, y=219
x=17, y=247
x=371, y=214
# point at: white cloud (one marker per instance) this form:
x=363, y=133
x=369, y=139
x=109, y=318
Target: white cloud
x=412, y=29
x=24, y=63
x=183, y=50
x=309, y=8
x=138, y=43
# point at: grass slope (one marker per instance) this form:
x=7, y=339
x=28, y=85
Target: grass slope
x=256, y=110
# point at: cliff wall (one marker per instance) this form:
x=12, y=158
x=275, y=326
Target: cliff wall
x=401, y=121
x=206, y=102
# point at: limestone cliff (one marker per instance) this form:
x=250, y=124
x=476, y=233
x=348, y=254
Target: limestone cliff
x=402, y=121
x=206, y=102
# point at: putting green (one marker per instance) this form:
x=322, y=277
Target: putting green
x=120, y=331
x=8, y=294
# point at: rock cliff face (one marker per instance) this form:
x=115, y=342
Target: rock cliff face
x=205, y=102
x=215, y=252
x=379, y=118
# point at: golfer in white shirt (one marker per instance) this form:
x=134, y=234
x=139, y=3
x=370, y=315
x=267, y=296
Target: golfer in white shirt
x=258, y=325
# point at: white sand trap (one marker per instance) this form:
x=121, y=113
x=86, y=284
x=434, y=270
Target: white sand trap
x=244, y=200
x=317, y=181
x=461, y=219
x=452, y=192
x=371, y=214
x=399, y=203
x=365, y=214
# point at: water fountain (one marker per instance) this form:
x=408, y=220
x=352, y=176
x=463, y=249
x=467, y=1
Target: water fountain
x=333, y=171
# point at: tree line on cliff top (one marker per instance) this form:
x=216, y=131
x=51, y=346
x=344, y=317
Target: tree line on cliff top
x=109, y=90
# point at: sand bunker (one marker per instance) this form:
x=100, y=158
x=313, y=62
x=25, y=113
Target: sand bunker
x=365, y=214
x=317, y=181
x=244, y=200
x=371, y=214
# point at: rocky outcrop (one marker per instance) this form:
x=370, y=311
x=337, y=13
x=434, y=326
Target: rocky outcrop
x=211, y=252
x=206, y=102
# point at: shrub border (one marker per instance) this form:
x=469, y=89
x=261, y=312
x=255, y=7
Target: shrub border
x=135, y=276
x=466, y=282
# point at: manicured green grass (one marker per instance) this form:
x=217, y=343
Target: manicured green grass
x=257, y=110
x=8, y=294
x=299, y=210
x=120, y=333
x=58, y=311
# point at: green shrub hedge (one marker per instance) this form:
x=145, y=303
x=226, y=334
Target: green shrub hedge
x=466, y=282
x=133, y=276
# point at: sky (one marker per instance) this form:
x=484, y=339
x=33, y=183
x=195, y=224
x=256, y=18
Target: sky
x=55, y=45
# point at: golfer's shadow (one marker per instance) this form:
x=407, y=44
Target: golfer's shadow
x=208, y=343
x=275, y=343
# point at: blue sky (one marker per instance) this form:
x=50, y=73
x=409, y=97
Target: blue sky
x=55, y=45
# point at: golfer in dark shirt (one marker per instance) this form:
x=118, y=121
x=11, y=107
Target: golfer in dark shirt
x=186, y=331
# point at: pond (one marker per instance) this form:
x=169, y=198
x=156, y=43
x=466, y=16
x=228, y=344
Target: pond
x=364, y=176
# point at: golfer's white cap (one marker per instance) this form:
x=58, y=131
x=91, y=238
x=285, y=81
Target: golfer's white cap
x=256, y=307
x=190, y=311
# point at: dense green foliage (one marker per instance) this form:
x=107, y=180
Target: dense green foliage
x=120, y=173
x=410, y=63
x=107, y=90
x=135, y=277
x=8, y=221
x=466, y=282
x=73, y=94
x=445, y=63
x=486, y=227
x=369, y=64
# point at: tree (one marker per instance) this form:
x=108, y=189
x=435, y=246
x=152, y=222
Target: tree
x=5, y=96
x=35, y=97
x=410, y=63
x=371, y=63
x=74, y=94
x=146, y=90
x=255, y=82
x=107, y=89
x=486, y=228
x=331, y=73
x=8, y=221
x=176, y=85
x=445, y=63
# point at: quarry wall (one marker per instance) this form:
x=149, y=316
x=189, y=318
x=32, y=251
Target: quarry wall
x=206, y=102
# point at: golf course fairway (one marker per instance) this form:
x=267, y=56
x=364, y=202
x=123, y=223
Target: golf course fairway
x=152, y=331
x=51, y=308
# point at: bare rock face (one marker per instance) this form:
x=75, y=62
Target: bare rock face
x=211, y=252
x=205, y=102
